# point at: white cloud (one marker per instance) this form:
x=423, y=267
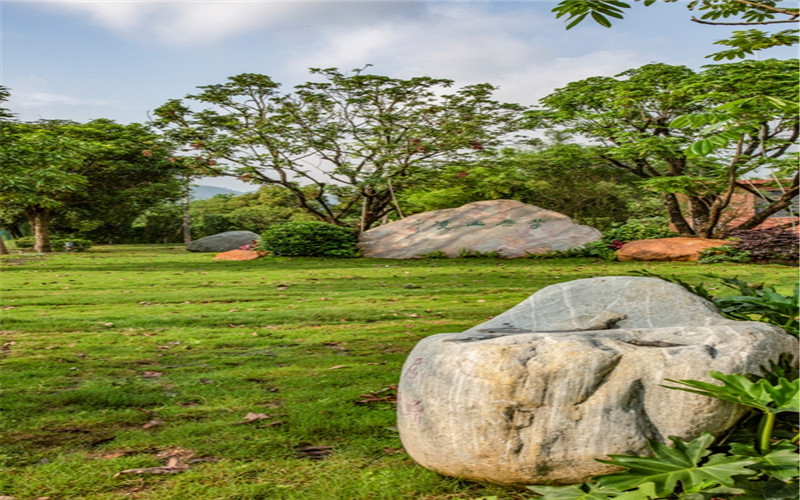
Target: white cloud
x=39, y=99
x=201, y=23
x=468, y=44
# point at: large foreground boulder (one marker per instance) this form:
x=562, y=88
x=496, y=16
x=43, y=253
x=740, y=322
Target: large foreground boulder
x=667, y=249
x=223, y=242
x=572, y=374
x=507, y=227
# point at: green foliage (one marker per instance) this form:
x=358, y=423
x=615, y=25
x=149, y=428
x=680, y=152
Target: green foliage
x=762, y=303
x=616, y=235
x=92, y=179
x=468, y=252
x=687, y=467
x=58, y=243
x=436, y=254
x=713, y=12
x=748, y=42
x=309, y=239
x=599, y=248
x=639, y=229
x=205, y=343
x=754, y=302
x=724, y=253
x=689, y=136
x=761, y=394
x=375, y=133
x=565, y=178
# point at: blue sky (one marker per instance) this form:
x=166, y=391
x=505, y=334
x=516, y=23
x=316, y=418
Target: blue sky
x=121, y=59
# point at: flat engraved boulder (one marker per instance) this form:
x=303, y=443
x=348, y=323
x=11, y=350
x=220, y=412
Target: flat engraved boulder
x=508, y=228
x=572, y=374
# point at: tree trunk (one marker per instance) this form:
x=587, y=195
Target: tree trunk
x=187, y=220
x=782, y=202
x=676, y=216
x=3, y=247
x=39, y=218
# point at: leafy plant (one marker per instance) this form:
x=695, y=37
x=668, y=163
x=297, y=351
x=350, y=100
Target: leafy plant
x=436, y=254
x=768, y=244
x=57, y=243
x=762, y=395
x=598, y=248
x=639, y=229
x=309, y=239
x=468, y=252
x=754, y=302
x=688, y=468
x=724, y=253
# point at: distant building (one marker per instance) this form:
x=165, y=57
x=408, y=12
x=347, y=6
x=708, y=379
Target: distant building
x=746, y=203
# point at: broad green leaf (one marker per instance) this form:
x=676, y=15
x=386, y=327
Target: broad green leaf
x=785, y=396
x=681, y=466
x=601, y=19
x=701, y=148
x=781, y=462
x=583, y=491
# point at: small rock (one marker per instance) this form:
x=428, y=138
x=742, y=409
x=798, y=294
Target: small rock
x=223, y=242
x=240, y=255
x=667, y=249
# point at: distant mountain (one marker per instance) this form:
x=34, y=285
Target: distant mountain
x=206, y=192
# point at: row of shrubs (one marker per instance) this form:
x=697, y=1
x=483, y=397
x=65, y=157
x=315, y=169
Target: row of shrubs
x=59, y=243
x=753, y=245
x=318, y=239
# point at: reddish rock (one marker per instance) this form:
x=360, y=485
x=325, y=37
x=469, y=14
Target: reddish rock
x=240, y=255
x=672, y=249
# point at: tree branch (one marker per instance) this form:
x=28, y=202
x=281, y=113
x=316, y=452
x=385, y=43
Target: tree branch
x=743, y=23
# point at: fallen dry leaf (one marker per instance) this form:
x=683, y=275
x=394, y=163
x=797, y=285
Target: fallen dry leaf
x=152, y=374
x=254, y=417
x=152, y=423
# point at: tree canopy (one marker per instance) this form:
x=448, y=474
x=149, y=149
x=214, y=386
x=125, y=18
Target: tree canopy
x=344, y=146
x=96, y=176
x=631, y=119
x=712, y=12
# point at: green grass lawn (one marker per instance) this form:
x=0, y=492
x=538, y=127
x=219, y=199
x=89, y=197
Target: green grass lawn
x=241, y=380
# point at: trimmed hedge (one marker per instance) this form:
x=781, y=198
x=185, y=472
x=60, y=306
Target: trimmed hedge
x=309, y=239
x=57, y=243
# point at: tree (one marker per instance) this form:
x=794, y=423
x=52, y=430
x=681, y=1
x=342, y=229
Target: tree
x=629, y=117
x=566, y=178
x=714, y=12
x=91, y=178
x=344, y=146
x=4, y=114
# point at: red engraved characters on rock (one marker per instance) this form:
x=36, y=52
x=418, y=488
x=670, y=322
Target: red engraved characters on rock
x=413, y=410
x=413, y=369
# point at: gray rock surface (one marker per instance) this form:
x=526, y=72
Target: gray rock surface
x=570, y=375
x=510, y=228
x=222, y=242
